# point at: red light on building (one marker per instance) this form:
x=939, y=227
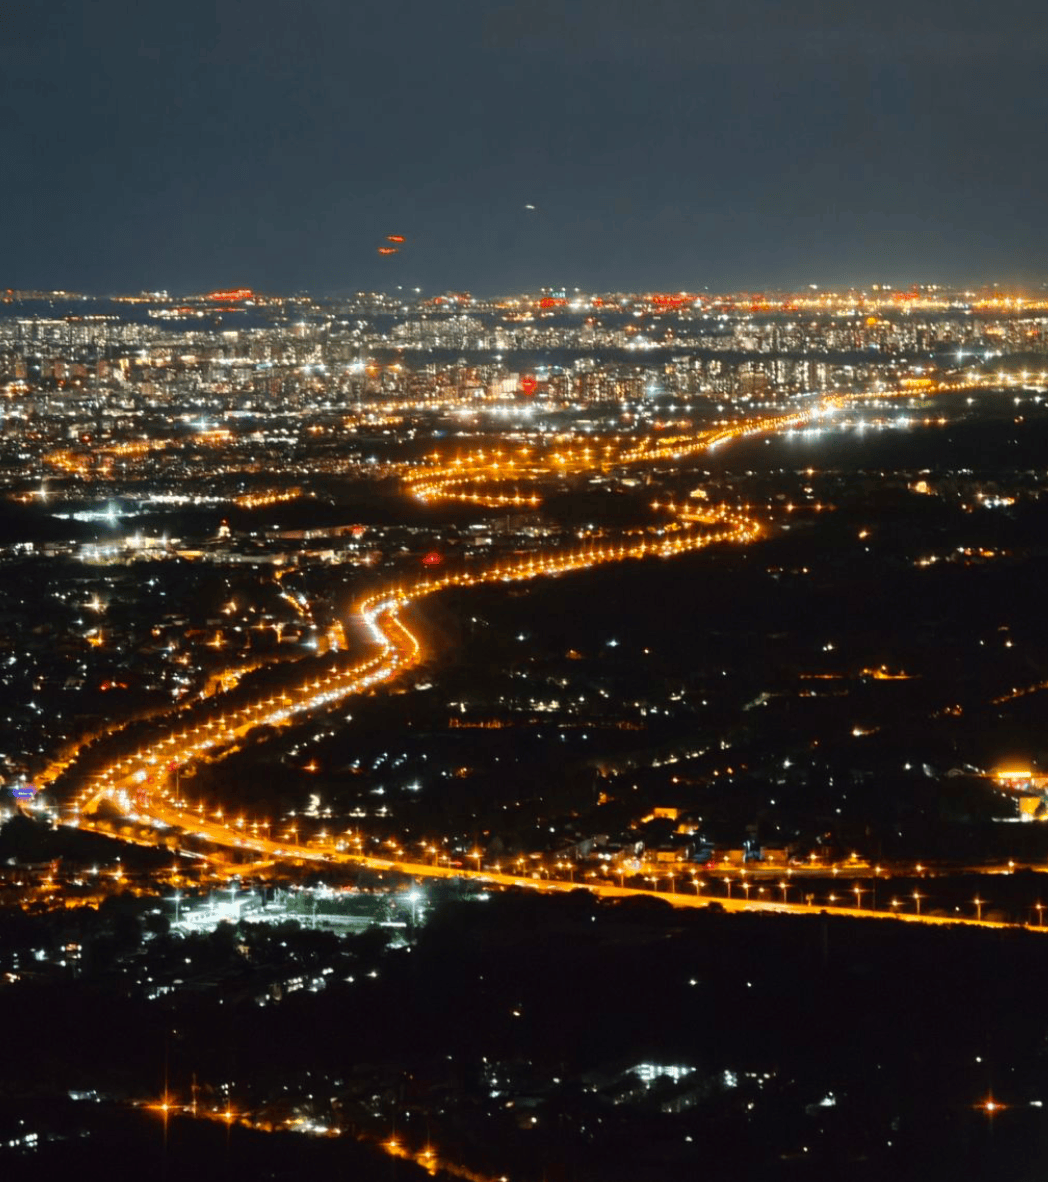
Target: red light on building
x=231, y=296
x=432, y=559
x=527, y=385
x=670, y=301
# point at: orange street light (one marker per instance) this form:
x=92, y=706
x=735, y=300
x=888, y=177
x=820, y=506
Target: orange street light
x=991, y=1107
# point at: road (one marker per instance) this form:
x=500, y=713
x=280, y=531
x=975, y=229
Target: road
x=140, y=785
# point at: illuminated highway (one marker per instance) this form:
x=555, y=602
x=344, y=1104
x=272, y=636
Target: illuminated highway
x=427, y=1157
x=141, y=784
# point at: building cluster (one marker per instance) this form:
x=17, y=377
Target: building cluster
x=76, y=372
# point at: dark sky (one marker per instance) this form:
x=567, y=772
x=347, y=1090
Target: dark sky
x=664, y=143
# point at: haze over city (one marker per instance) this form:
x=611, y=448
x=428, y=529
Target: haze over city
x=673, y=145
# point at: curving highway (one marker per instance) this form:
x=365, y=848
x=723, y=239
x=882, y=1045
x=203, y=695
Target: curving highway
x=140, y=785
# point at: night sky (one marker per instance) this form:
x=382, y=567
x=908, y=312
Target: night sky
x=666, y=144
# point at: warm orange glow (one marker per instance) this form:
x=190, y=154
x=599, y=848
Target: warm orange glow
x=502, y=476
